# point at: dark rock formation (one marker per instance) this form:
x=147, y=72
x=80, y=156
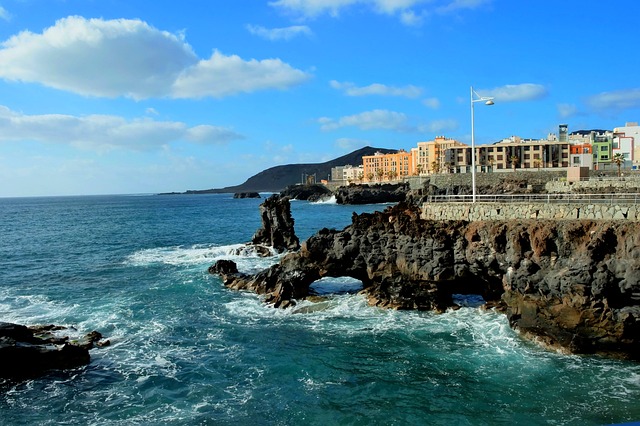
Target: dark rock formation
x=246, y=195
x=372, y=194
x=314, y=192
x=277, y=225
x=28, y=352
x=569, y=284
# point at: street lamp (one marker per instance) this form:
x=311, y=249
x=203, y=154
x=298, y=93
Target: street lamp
x=487, y=101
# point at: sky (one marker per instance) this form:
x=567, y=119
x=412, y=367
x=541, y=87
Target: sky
x=138, y=97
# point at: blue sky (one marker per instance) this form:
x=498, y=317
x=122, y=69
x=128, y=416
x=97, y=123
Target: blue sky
x=132, y=96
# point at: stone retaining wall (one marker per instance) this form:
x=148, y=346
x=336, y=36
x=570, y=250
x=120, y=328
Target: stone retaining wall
x=499, y=211
x=595, y=185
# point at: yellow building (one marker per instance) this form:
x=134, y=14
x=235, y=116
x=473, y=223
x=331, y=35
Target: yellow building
x=387, y=167
x=429, y=157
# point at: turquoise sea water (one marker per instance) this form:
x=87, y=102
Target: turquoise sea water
x=186, y=350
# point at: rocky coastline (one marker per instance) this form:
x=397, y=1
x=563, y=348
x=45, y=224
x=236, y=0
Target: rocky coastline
x=29, y=352
x=570, y=285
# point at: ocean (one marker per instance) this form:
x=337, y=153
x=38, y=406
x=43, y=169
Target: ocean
x=187, y=351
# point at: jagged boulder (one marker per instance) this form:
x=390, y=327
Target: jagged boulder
x=28, y=352
x=277, y=228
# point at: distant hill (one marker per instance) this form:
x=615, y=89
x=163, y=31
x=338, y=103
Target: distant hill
x=275, y=179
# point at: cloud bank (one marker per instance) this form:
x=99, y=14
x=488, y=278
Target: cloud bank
x=125, y=57
x=516, y=92
x=410, y=12
x=275, y=34
x=368, y=120
x=615, y=100
x=106, y=132
x=351, y=89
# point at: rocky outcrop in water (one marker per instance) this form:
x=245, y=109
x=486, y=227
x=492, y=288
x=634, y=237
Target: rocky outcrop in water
x=28, y=352
x=569, y=284
x=314, y=192
x=246, y=195
x=277, y=229
x=372, y=194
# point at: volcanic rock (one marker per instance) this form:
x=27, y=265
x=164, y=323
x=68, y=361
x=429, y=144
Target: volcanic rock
x=28, y=352
x=277, y=228
x=573, y=285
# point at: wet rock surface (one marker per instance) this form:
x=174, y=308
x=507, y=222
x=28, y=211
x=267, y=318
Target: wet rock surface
x=277, y=229
x=29, y=352
x=573, y=285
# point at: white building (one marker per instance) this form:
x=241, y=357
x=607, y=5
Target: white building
x=347, y=174
x=626, y=141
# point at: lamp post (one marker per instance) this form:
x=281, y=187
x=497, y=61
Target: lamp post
x=487, y=101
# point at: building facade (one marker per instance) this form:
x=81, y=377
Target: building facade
x=387, y=167
x=581, y=155
x=510, y=154
x=347, y=174
x=624, y=143
x=429, y=157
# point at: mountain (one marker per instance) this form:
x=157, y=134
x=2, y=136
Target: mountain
x=275, y=179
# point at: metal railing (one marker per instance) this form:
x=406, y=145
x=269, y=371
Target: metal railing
x=612, y=199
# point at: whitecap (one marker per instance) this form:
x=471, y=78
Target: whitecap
x=330, y=200
x=246, y=257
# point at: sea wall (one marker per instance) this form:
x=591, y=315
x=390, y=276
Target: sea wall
x=509, y=211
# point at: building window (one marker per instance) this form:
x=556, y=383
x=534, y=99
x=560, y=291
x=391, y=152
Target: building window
x=499, y=149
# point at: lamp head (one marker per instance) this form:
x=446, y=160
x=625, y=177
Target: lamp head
x=489, y=102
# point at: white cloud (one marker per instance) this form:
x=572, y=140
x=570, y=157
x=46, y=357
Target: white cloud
x=4, y=14
x=275, y=34
x=222, y=76
x=567, y=110
x=433, y=103
x=312, y=8
x=439, y=126
x=351, y=89
x=516, y=92
x=369, y=120
x=410, y=12
x=123, y=57
x=616, y=100
x=456, y=5
x=105, y=132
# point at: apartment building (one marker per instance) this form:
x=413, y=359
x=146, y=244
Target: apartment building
x=510, y=154
x=581, y=155
x=384, y=167
x=429, y=157
x=624, y=142
x=347, y=174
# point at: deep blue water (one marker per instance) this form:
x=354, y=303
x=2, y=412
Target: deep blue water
x=186, y=350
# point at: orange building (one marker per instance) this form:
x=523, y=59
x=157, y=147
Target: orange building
x=387, y=167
